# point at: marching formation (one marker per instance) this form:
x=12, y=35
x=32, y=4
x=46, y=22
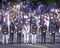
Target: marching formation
x=21, y=19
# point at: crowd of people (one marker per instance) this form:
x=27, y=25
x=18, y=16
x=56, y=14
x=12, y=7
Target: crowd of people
x=21, y=18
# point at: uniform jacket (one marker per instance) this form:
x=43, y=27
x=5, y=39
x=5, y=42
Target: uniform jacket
x=12, y=27
x=26, y=28
x=44, y=28
x=20, y=26
x=4, y=29
x=53, y=28
x=34, y=29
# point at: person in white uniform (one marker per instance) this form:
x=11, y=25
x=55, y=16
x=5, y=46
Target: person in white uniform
x=26, y=31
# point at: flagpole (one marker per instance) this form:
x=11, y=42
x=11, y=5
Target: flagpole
x=2, y=10
x=8, y=22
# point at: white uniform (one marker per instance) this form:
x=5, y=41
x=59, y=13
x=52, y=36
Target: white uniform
x=26, y=31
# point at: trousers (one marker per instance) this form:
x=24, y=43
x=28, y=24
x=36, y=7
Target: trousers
x=26, y=37
x=5, y=39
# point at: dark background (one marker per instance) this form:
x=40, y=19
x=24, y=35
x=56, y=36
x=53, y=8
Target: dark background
x=43, y=1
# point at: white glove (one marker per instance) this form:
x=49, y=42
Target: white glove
x=40, y=33
x=50, y=33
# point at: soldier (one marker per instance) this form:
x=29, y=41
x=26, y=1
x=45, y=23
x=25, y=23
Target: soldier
x=20, y=25
x=12, y=29
x=26, y=31
x=34, y=31
x=43, y=33
x=5, y=33
x=52, y=32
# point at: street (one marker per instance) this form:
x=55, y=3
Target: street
x=57, y=45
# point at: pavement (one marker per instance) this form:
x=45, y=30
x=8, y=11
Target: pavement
x=56, y=45
x=21, y=46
